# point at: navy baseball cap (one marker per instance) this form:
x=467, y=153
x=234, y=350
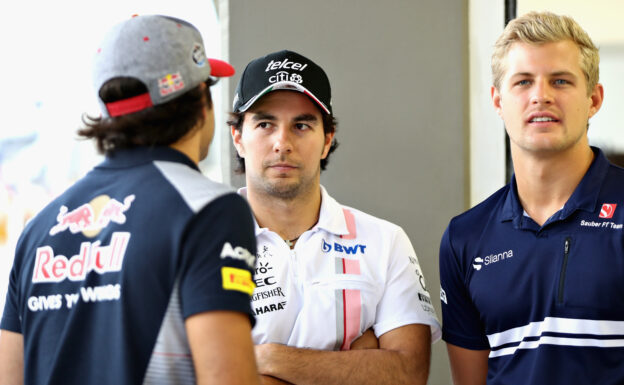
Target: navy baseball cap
x=165, y=53
x=283, y=70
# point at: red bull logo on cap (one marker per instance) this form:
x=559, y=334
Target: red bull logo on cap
x=90, y=218
x=170, y=83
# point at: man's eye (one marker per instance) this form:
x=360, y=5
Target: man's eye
x=302, y=126
x=264, y=125
x=523, y=82
x=561, y=82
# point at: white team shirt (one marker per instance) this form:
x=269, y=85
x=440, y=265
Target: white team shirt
x=348, y=273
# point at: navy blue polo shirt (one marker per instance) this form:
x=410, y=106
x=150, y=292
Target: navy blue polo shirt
x=106, y=274
x=548, y=302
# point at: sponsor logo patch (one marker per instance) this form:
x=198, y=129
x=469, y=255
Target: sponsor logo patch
x=269, y=308
x=490, y=259
x=443, y=296
x=90, y=218
x=607, y=210
x=170, y=83
x=237, y=279
x=355, y=249
x=238, y=253
x=199, y=56
x=276, y=65
x=92, y=257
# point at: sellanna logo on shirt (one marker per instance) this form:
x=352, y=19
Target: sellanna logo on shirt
x=490, y=259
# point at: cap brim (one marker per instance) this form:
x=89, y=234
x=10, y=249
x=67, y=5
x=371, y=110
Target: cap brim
x=220, y=69
x=285, y=85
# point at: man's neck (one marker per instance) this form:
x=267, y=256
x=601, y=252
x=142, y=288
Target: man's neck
x=546, y=182
x=189, y=145
x=287, y=217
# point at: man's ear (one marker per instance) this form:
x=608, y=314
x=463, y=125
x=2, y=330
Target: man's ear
x=329, y=137
x=236, y=140
x=496, y=100
x=596, y=97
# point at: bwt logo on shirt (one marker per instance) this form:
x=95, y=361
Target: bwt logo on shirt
x=327, y=247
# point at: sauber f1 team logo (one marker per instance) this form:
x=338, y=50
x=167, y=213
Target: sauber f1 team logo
x=90, y=218
x=607, y=210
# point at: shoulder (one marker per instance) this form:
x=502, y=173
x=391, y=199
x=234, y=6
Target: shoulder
x=614, y=180
x=194, y=188
x=470, y=224
x=367, y=221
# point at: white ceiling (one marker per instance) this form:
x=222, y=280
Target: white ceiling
x=602, y=19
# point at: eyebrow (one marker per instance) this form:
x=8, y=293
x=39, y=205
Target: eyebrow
x=556, y=73
x=257, y=116
x=305, y=118
x=260, y=115
x=563, y=73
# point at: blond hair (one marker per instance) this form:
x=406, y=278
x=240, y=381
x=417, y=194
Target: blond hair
x=546, y=27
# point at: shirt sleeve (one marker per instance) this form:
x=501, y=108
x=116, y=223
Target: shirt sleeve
x=11, y=319
x=219, y=258
x=405, y=299
x=460, y=318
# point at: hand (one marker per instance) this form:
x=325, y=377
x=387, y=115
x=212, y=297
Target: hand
x=368, y=340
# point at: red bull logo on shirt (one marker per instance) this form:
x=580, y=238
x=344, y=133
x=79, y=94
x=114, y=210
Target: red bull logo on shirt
x=90, y=218
x=92, y=257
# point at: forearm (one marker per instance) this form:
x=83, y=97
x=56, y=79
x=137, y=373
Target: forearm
x=11, y=358
x=268, y=380
x=370, y=366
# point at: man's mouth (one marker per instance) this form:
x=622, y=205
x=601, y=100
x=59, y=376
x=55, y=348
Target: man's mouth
x=543, y=119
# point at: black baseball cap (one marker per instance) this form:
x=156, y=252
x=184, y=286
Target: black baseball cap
x=283, y=70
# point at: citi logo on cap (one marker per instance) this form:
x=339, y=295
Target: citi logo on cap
x=275, y=65
x=607, y=210
x=284, y=76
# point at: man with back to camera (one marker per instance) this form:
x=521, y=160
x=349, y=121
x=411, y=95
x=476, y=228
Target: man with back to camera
x=531, y=279
x=141, y=272
x=325, y=273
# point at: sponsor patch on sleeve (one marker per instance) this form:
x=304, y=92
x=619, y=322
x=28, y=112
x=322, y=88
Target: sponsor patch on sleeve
x=237, y=279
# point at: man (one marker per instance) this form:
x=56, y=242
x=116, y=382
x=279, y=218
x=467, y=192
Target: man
x=532, y=277
x=326, y=273
x=141, y=271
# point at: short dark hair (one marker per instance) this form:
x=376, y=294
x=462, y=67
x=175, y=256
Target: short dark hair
x=329, y=126
x=160, y=125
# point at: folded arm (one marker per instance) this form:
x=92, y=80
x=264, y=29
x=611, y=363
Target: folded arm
x=402, y=358
x=468, y=367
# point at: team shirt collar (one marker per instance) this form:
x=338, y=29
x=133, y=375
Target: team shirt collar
x=331, y=217
x=584, y=197
x=142, y=155
x=258, y=230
